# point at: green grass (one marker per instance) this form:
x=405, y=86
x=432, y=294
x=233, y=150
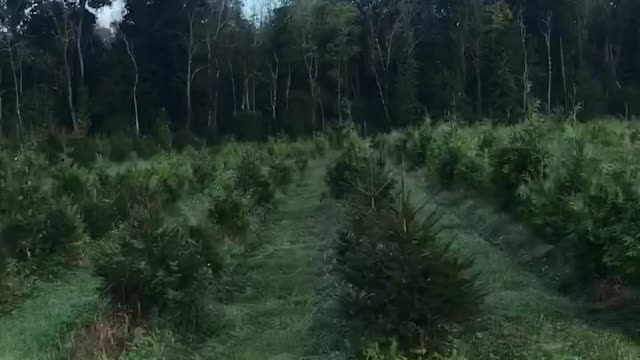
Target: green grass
x=36, y=329
x=277, y=311
x=523, y=317
x=276, y=300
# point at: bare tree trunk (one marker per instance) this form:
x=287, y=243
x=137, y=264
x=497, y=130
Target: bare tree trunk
x=218, y=7
x=135, y=84
x=1, y=115
x=322, y=118
x=382, y=97
x=64, y=35
x=16, y=88
x=246, y=106
x=547, y=40
x=67, y=67
x=611, y=59
x=288, y=90
x=190, y=74
x=478, y=79
x=253, y=92
x=339, y=107
x=1, y=106
x=209, y=84
x=564, y=78
x=215, y=98
x=309, y=60
x=525, y=74
x=233, y=86
x=83, y=5
x=274, y=69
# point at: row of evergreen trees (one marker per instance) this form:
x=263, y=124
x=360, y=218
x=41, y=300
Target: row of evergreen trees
x=215, y=66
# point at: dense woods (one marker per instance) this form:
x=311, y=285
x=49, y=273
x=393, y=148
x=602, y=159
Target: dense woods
x=217, y=66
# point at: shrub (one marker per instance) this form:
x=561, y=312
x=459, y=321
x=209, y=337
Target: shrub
x=414, y=146
x=121, y=148
x=84, y=151
x=447, y=165
x=99, y=216
x=145, y=148
x=511, y=165
x=281, y=173
x=160, y=186
x=54, y=231
x=231, y=214
x=343, y=135
x=264, y=193
x=248, y=173
x=342, y=173
x=204, y=168
x=52, y=147
x=62, y=232
x=301, y=163
x=162, y=135
x=250, y=126
x=320, y=144
x=151, y=264
x=399, y=282
x=184, y=139
x=75, y=182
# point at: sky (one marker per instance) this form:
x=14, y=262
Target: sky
x=107, y=16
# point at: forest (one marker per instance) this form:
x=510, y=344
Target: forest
x=212, y=67
x=320, y=179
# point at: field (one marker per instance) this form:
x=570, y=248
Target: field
x=446, y=241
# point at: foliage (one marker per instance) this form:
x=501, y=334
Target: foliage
x=53, y=147
x=281, y=173
x=121, y=148
x=412, y=146
x=151, y=264
x=99, y=216
x=573, y=184
x=145, y=147
x=204, y=168
x=342, y=172
x=249, y=126
x=311, y=66
x=184, y=139
x=320, y=144
x=399, y=281
x=162, y=134
x=231, y=214
x=83, y=151
x=162, y=186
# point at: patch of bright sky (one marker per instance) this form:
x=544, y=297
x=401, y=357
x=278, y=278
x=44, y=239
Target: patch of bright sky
x=108, y=16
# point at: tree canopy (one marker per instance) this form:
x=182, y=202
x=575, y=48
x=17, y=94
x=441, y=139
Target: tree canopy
x=297, y=66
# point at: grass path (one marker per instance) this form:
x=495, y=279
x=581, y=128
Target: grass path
x=37, y=327
x=274, y=315
x=524, y=318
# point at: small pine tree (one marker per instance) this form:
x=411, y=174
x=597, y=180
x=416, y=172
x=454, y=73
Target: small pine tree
x=400, y=281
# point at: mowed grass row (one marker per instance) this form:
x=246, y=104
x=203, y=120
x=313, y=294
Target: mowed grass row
x=523, y=317
x=275, y=311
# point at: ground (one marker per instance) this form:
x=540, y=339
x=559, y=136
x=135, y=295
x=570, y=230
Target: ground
x=285, y=282
x=279, y=302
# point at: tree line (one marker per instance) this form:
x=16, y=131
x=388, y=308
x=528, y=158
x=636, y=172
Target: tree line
x=297, y=66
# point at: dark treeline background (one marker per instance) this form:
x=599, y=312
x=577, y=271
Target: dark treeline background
x=302, y=65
